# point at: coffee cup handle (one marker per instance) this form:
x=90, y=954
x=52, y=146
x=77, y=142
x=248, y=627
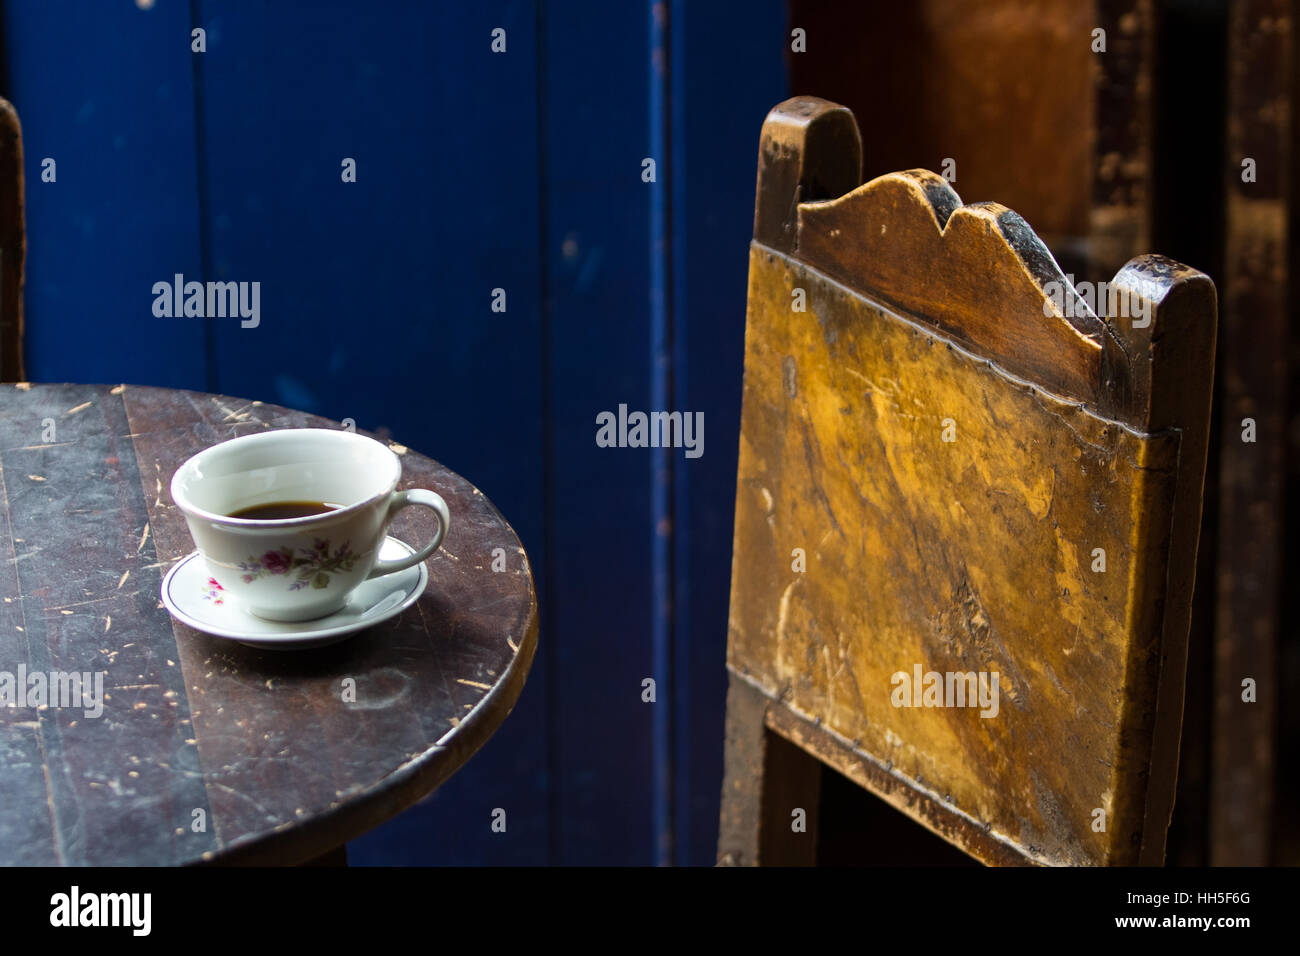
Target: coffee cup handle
x=400, y=500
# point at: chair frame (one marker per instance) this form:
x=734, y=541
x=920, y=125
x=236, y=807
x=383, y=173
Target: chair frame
x=866, y=253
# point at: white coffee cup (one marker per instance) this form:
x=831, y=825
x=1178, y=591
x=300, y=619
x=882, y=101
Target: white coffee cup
x=297, y=569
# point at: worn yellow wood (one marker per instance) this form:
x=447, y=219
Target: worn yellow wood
x=978, y=272
x=964, y=556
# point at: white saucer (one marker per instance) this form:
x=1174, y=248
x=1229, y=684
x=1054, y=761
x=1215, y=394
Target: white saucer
x=191, y=601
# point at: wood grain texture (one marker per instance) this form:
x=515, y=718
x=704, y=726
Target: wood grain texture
x=843, y=755
x=13, y=244
x=261, y=741
x=893, y=236
x=973, y=555
x=1173, y=364
x=1255, y=335
x=1120, y=212
x=951, y=464
x=810, y=149
x=767, y=779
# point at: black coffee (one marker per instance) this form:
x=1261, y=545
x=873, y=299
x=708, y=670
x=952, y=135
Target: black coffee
x=279, y=510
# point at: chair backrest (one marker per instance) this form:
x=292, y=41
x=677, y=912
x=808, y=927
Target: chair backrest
x=967, y=504
x=13, y=245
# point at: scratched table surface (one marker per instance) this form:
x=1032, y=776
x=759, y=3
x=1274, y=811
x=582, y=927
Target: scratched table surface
x=207, y=750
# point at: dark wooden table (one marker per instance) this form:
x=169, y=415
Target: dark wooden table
x=208, y=750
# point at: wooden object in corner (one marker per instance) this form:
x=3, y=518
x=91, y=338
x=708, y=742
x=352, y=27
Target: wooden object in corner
x=951, y=463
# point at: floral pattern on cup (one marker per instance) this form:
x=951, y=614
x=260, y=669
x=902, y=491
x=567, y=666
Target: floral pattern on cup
x=214, y=592
x=308, y=566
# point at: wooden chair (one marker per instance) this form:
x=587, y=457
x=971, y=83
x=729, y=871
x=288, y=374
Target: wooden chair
x=13, y=244
x=951, y=464
x=1106, y=145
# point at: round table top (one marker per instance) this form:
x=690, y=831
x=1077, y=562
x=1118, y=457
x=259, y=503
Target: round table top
x=208, y=750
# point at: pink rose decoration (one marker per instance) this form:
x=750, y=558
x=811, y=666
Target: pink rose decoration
x=276, y=562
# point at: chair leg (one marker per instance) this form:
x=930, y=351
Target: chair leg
x=770, y=790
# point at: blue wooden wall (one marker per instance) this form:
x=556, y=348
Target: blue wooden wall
x=476, y=171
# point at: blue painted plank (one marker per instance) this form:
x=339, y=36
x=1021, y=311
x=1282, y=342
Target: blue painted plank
x=376, y=295
x=727, y=72
x=104, y=89
x=600, y=596
x=662, y=392
x=368, y=288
